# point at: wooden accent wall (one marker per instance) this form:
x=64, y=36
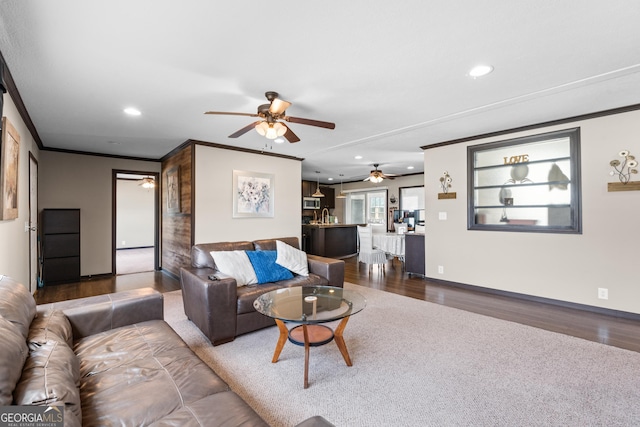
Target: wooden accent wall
x=177, y=227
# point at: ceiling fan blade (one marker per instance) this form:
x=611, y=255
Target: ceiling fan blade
x=291, y=137
x=244, y=130
x=318, y=123
x=278, y=106
x=225, y=113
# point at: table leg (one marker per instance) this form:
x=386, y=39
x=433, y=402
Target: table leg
x=284, y=333
x=306, y=356
x=340, y=341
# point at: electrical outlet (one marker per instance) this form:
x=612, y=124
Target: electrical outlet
x=124, y=243
x=603, y=293
x=440, y=269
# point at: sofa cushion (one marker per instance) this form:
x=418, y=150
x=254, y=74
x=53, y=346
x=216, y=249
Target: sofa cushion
x=265, y=267
x=122, y=370
x=292, y=259
x=270, y=244
x=51, y=326
x=235, y=264
x=247, y=295
x=234, y=413
x=201, y=253
x=50, y=375
x=17, y=304
x=14, y=353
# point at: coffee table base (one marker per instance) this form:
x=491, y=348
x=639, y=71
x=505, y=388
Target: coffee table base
x=318, y=335
x=311, y=336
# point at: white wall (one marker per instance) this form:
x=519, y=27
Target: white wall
x=14, y=240
x=557, y=266
x=85, y=182
x=135, y=209
x=214, y=220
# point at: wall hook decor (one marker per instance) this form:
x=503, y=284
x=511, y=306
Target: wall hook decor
x=445, y=185
x=623, y=171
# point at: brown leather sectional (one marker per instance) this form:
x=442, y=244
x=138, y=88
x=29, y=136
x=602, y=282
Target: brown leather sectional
x=221, y=309
x=110, y=360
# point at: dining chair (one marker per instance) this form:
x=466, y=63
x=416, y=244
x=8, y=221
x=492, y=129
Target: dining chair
x=366, y=253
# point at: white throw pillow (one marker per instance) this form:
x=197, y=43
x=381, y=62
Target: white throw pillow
x=237, y=265
x=292, y=259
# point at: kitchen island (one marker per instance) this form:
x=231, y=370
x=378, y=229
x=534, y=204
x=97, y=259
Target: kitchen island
x=330, y=240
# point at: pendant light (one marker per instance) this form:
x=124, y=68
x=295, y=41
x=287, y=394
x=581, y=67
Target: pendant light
x=318, y=193
x=341, y=195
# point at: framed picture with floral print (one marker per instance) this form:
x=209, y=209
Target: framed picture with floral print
x=173, y=190
x=9, y=153
x=253, y=194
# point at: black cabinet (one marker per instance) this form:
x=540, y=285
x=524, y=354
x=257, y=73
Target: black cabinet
x=60, y=236
x=414, y=253
x=329, y=199
x=308, y=188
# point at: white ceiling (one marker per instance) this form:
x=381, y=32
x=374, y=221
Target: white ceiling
x=391, y=75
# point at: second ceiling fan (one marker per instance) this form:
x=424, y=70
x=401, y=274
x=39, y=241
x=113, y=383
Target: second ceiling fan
x=272, y=115
x=377, y=176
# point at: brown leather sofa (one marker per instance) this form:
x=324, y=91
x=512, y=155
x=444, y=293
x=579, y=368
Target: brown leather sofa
x=221, y=309
x=110, y=360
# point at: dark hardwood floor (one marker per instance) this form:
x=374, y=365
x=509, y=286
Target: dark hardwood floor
x=615, y=331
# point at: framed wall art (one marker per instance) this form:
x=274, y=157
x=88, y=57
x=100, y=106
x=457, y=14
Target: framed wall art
x=173, y=189
x=9, y=162
x=253, y=194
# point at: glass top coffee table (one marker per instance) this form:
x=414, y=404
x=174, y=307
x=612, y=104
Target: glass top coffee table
x=310, y=306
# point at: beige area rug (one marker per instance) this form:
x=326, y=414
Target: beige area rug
x=417, y=363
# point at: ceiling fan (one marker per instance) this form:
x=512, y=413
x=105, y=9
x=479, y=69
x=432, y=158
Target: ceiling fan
x=271, y=115
x=377, y=176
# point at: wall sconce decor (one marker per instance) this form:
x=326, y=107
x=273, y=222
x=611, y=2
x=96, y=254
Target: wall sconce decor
x=623, y=171
x=445, y=185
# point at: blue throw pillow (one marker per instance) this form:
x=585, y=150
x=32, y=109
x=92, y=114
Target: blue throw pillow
x=264, y=264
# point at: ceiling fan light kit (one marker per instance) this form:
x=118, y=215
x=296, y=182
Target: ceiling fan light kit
x=271, y=130
x=376, y=176
x=147, y=182
x=270, y=126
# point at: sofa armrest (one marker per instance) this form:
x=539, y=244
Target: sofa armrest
x=329, y=268
x=210, y=304
x=101, y=313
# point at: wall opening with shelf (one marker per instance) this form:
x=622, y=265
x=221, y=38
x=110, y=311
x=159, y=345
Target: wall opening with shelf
x=526, y=184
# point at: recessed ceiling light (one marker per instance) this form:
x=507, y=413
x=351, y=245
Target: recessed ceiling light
x=330, y=179
x=132, y=111
x=358, y=157
x=409, y=167
x=480, y=70
x=278, y=140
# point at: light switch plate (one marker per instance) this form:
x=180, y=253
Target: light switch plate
x=442, y=216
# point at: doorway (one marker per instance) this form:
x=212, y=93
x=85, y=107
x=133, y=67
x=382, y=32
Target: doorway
x=135, y=222
x=34, y=249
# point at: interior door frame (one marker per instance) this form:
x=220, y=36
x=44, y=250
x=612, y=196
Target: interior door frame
x=34, y=252
x=156, y=215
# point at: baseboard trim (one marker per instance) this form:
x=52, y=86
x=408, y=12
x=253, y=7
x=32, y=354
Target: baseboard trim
x=543, y=300
x=134, y=247
x=96, y=276
x=170, y=274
